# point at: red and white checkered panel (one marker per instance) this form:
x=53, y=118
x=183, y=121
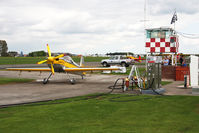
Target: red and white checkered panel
x=162, y=45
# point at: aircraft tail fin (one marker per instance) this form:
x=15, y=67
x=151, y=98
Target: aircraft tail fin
x=82, y=64
x=82, y=61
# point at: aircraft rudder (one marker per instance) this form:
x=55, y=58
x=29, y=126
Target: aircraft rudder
x=82, y=61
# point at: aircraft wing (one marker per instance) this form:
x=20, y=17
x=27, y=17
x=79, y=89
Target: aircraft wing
x=89, y=69
x=66, y=69
x=29, y=69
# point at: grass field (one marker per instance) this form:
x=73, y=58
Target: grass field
x=165, y=82
x=34, y=60
x=90, y=59
x=20, y=60
x=105, y=114
x=141, y=70
x=13, y=80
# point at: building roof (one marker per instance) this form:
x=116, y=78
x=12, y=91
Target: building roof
x=161, y=28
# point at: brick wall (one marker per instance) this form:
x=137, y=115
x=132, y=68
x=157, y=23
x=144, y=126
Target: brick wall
x=168, y=72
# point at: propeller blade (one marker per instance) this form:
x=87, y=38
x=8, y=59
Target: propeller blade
x=52, y=69
x=49, y=53
x=59, y=56
x=43, y=61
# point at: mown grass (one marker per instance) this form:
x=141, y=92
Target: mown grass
x=141, y=70
x=34, y=60
x=105, y=114
x=89, y=59
x=20, y=60
x=166, y=82
x=4, y=80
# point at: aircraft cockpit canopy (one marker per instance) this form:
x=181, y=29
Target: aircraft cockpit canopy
x=69, y=60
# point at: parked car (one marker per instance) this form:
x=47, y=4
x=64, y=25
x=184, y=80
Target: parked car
x=116, y=60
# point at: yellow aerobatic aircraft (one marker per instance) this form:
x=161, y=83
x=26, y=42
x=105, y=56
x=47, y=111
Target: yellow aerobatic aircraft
x=62, y=64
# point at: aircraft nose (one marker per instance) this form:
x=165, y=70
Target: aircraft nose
x=51, y=59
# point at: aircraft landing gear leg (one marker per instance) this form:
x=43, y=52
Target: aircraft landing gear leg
x=71, y=80
x=45, y=81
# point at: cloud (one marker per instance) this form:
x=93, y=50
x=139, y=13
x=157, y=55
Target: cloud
x=168, y=6
x=87, y=26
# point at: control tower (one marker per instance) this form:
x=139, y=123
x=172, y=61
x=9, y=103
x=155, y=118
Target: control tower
x=162, y=41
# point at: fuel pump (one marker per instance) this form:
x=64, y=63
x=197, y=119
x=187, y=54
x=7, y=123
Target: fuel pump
x=154, y=75
x=154, y=65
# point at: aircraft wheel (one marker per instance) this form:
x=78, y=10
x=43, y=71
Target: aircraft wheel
x=72, y=81
x=45, y=81
x=105, y=64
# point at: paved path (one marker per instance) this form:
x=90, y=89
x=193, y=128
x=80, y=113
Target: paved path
x=57, y=88
x=177, y=88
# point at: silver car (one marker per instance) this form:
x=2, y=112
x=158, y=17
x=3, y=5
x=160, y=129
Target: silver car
x=116, y=60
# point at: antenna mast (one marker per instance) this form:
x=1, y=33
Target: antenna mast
x=145, y=14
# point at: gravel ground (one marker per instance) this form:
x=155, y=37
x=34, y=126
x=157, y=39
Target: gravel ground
x=58, y=87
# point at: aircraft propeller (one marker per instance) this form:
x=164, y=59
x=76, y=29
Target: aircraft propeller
x=50, y=59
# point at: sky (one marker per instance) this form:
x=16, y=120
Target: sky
x=94, y=26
